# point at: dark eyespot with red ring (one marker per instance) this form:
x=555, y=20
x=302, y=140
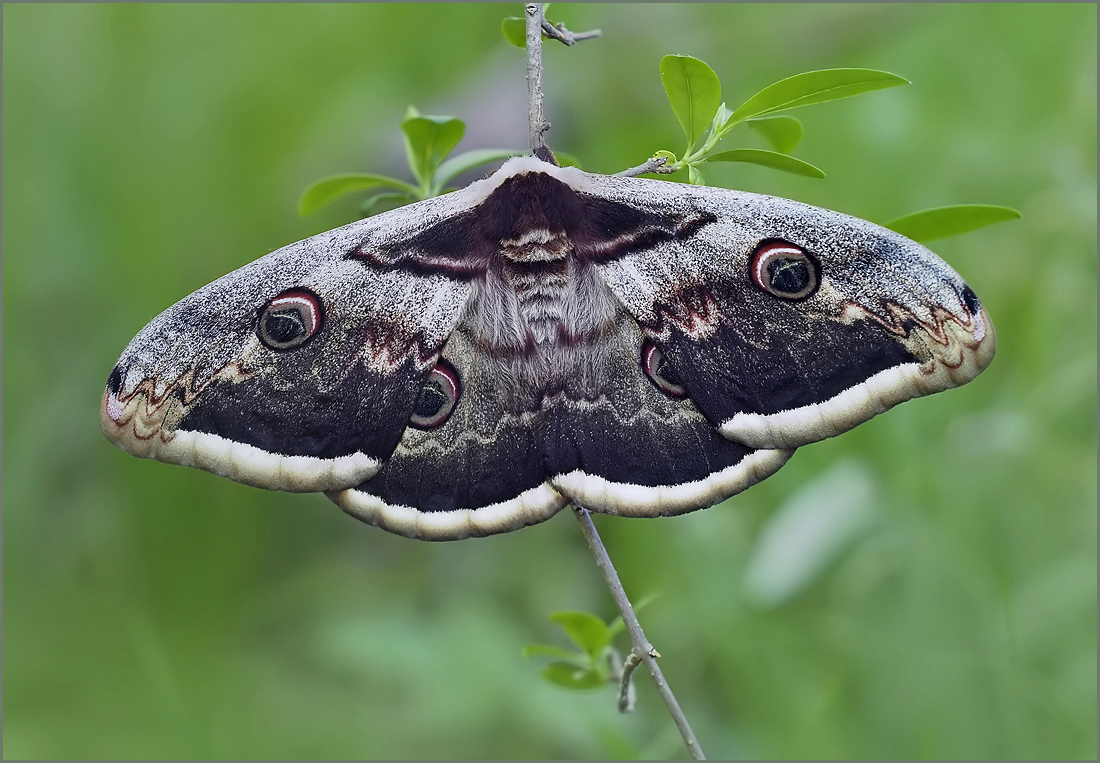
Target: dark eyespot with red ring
x=783, y=270
x=438, y=397
x=290, y=320
x=659, y=371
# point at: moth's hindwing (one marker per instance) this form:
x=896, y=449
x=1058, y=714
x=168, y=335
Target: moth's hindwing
x=471, y=364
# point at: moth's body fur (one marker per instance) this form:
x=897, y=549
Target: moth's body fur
x=543, y=320
x=470, y=364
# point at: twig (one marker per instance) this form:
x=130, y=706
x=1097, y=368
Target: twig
x=536, y=122
x=652, y=164
x=641, y=649
x=561, y=34
x=626, y=683
x=536, y=26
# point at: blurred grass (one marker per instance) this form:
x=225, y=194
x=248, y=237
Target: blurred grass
x=154, y=611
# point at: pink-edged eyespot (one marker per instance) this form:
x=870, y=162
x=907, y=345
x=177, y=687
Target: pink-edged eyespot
x=290, y=319
x=438, y=397
x=783, y=270
x=657, y=368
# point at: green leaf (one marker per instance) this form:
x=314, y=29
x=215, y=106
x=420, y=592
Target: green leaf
x=944, y=222
x=567, y=160
x=573, y=677
x=383, y=202
x=814, y=87
x=585, y=630
x=466, y=161
x=809, y=532
x=768, y=159
x=327, y=190
x=695, y=175
x=720, y=116
x=716, y=129
x=547, y=650
x=670, y=158
x=694, y=93
x=514, y=31
x=782, y=131
x=428, y=140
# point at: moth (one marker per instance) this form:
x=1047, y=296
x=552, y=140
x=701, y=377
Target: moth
x=472, y=363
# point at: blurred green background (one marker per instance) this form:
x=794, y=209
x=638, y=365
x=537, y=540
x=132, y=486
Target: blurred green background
x=922, y=587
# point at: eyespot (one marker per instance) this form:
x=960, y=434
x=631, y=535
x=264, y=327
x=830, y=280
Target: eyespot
x=659, y=371
x=290, y=320
x=438, y=397
x=783, y=270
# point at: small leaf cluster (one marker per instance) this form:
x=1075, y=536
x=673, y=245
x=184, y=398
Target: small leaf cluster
x=590, y=665
x=695, y=94
x=429, y=140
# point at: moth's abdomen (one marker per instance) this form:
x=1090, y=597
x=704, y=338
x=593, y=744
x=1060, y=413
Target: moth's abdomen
x=540, y=289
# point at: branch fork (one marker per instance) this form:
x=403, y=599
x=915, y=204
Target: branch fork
x=536, y=26
x=642, y=652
